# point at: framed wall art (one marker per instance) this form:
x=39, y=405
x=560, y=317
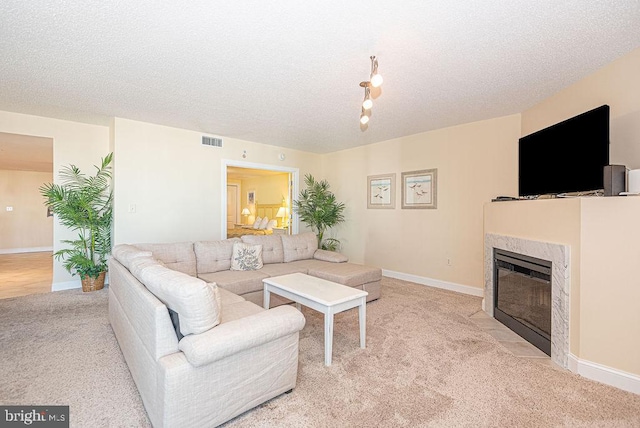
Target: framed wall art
x=251, y=197
x=420, y=189
x=381, y=191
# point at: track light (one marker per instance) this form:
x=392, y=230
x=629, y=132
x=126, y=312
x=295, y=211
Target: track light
x=364, y=118
x=368, y=102
x=375, y=80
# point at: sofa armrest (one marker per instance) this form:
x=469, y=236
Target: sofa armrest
x=330, y=256
x=241, y=334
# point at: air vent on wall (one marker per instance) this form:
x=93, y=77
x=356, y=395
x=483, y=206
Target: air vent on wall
x=211, y=141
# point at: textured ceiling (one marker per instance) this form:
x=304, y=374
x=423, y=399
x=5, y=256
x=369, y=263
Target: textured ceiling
x=286, y=73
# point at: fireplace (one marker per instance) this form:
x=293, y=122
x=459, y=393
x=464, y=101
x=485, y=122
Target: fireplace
x=560, y=257
x=522, y=296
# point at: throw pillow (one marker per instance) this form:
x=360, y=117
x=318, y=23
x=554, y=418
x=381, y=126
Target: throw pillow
x=272, y=224
x=263, y=223
x=246, y=257
x=256, y=224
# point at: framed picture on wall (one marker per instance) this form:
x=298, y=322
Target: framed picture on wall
x=381, y=191
x=251, y=197
x=420, y=189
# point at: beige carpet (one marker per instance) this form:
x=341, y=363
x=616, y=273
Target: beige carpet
x=425, y=364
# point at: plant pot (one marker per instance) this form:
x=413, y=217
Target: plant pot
x=93, y=284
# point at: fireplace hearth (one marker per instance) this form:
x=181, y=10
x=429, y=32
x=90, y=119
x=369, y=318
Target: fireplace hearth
x=522, y=296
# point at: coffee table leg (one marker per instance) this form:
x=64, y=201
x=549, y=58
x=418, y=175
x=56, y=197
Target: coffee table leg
x=362, y=318
x=328, y=337
x=267, y=297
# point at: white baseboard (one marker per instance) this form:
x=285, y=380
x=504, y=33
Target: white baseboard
x=25, y=250
x=68, y=285
x=607, y=375
x=465, y=289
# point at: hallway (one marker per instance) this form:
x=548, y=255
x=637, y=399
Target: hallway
x=25, y=273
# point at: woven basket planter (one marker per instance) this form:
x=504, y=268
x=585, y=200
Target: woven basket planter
x=93, y=284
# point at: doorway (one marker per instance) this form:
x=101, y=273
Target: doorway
x=26, y=228
x=263, y=191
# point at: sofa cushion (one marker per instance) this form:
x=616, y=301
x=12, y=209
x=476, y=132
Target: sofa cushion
x=278, y=269
x=347, y=273
x=193, y=299
x=330, y=256
x=239, y=310
x=228, y=298
x=272, y=250
x=235, y=281
x=177, y=256
x=299, y=247
x=125, y=253
x=246, y=256
x=214, y=256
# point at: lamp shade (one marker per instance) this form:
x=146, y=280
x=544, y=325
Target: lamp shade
x=281, y=212
x=245, y=211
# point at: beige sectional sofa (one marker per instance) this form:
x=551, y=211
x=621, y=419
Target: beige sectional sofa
x=234, y=354
x=281, y=254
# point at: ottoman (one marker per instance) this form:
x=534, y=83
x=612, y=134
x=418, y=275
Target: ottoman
x=357, y=276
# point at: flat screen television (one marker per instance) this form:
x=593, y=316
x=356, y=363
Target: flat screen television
x=569, y=156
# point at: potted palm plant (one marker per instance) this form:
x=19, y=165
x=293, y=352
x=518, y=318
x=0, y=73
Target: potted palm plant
x=84, y=204
x=318, y=208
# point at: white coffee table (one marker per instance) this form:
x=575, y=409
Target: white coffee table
x=324, y=296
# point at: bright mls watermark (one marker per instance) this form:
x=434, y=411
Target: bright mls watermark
x=34, y=416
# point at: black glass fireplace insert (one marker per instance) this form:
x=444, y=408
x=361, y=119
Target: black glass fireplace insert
x=522, y=296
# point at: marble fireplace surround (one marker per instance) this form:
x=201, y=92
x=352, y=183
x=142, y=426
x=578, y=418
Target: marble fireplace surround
x=559, y=256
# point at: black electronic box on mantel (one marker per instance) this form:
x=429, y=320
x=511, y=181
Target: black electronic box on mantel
x=569, y=156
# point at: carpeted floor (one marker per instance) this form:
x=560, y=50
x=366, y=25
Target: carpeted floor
x=426, y=364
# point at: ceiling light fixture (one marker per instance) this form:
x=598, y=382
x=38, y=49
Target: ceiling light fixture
x=364, y=119
x=375, y=80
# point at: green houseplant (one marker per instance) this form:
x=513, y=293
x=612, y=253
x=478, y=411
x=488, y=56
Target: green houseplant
x=318, y=208
x=84, y=204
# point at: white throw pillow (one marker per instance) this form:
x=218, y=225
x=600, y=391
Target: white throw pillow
x=272, y=224
x=263, y=223
x=246, y=257
x=194, y=300
x=256, y=224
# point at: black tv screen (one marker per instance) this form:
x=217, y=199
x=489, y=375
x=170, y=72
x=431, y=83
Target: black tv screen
x=569, y=156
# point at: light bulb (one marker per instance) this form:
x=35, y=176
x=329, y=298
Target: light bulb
x=367, y=103
x=364, y=119
x=376, y=80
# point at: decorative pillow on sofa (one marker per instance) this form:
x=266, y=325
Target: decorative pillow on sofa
x=194, y=300
x=264, y=223
x=256, y=224
x=246, y=257
x=125, y=254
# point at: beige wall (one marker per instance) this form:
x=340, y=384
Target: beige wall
x=27, y=227
x=475, y=162
x=610, y=284
x=73, y=143
x=175, y=182
x=617, y=85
